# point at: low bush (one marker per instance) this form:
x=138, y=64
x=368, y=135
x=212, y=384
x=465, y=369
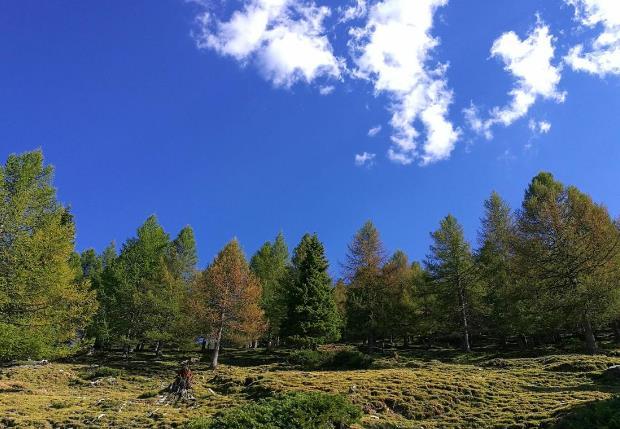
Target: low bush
x=307, y=410
x=336, y=360
x=100, y=372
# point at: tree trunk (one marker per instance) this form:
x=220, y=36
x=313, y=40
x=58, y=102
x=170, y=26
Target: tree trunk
x=591, y=346
x=522, y=341
x=216, y=350
x=158, y=348
x=616, y=328
x=406, y=341
x=466, y=346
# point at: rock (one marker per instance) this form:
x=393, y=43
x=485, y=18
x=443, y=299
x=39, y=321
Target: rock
x=611, y=374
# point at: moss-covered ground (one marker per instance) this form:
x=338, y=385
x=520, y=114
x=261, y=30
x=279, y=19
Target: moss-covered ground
x=427, y=389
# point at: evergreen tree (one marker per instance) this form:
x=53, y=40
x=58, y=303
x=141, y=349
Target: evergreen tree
x=365, y=297
x=146, y=295
x=226, y=300
x=312, y=316
x=44, y=303
x=495, y=260
x=451, y=267
x=270, y=265
x=401, y=304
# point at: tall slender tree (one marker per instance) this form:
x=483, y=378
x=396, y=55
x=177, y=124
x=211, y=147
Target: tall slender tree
x=270, y=264
x=495, y=259
x=312, y=318
x=365, y=297
x=451, y=267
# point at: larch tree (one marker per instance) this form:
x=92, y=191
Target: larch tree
x=312, y=318
x=44, y=302
x=568, y=248
x=226, y=300
x=270, y=264
x=452, y=271
x=365, y=297
x=495, y=260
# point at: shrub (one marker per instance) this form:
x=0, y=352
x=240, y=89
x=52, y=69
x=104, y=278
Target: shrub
x=303, y=410
x=344, y=359
x=99, y=372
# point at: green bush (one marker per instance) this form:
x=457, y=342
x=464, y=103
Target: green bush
x=344, y=359
x=100, y=372
x=307, y=410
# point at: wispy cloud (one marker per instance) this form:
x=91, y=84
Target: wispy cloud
x=365, y=159
x=374, y=131
x=393, y=51
x=284, y=38
x=539, y=127
x=529, y=61
x=603, y=56
x=326, y=90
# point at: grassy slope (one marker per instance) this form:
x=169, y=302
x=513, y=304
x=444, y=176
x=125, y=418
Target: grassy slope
x=438, y=389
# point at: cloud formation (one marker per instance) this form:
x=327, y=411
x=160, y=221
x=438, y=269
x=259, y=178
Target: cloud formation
x=539, y=127
x=603, y=56
x=374, y=131
x=418, y=91
x=284, y=38
x=529, y=61
x=365, y=159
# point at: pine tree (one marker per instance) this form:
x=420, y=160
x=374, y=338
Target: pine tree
x=365, y=297
x=451, y=268
x=184, y=255
x=312, y=318
x=44, y=302
x=226, y=300
x=270, y=264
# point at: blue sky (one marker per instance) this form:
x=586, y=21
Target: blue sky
x=177, y=108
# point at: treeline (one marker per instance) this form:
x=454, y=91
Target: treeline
x=549, y=270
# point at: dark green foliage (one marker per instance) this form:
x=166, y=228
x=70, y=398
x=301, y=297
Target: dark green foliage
x=312, y=318
x=270, y=264
x=311, y=410
x=597, y=414
x=100, y=372
x=366, y=297
x=330, y=360
x=452, y=271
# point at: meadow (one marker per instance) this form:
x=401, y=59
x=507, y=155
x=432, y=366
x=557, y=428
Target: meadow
x=402, y=388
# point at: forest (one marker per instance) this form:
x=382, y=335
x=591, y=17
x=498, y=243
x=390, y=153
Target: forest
x=541, y=278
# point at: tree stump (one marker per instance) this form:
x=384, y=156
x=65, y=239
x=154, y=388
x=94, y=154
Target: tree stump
x=181, y=388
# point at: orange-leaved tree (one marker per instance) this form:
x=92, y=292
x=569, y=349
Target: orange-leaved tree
x=226, y=300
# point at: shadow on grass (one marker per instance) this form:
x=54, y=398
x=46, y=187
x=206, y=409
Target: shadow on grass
x=596, y=414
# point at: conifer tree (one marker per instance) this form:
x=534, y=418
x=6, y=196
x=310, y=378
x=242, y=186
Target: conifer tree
x=270, y=264
x=44, y=302
x=226, y=300
x=451, y=268
x=568, y=249
x=495, y=260
x=365, y=297
x=312, y=318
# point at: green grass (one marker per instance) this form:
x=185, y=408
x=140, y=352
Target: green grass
x=440, y=388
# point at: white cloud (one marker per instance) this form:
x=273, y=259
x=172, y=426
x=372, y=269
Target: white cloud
x=393, y=51
x=350, y=13
x=539, y=127
x=529, y=62
x=365, y=159
x=374, y=131
x=285, y=38
x=604, y=55
x=326, y=90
